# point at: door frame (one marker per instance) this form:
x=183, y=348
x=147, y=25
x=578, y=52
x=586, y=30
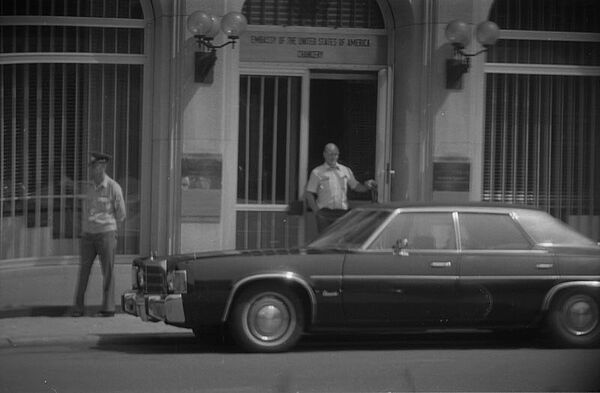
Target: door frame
x=383, y=127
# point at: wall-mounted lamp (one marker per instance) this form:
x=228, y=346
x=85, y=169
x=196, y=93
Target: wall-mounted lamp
x=459, y=35
x=205, y=27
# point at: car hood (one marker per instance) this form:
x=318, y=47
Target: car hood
x=171, y=261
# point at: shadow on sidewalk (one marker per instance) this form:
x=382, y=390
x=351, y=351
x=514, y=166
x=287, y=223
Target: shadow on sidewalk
x=161, y=343
x=186, y=343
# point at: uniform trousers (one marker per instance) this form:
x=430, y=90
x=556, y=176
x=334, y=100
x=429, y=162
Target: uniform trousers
x=102, y=245
x=325, y=217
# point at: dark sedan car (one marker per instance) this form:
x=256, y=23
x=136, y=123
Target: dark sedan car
x=387, y=268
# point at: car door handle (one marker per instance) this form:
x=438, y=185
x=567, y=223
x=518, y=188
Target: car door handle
x=544, y=266
x=439, y=264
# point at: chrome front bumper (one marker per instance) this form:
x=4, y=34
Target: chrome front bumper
x=154, y=308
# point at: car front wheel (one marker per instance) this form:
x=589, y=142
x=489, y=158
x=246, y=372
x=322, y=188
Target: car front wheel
x=267, y=320
x=575, y=319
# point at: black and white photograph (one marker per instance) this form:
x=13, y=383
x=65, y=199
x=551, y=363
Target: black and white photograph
x=299, y=196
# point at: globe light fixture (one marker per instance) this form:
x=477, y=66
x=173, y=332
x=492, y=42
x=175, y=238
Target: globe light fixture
x=205, y=27
x=458, y=33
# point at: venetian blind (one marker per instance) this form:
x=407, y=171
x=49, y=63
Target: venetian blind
x=317, y=13
x=542, y=127
x=55, y=111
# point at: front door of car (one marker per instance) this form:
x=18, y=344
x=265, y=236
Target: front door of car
x=416, y=286
x=503, y=279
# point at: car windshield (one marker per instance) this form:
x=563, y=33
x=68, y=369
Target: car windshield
x=352, y=230
x=545, y=229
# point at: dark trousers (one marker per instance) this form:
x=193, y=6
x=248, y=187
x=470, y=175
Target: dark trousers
x=325, y=217
x=102, y=245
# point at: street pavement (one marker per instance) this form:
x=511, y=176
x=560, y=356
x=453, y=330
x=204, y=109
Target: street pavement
x=44, y=330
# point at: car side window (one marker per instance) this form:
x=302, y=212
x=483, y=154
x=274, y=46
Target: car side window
x=481, y=231
x=424, y=231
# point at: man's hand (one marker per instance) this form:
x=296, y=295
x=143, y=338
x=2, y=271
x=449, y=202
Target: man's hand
x=371, y=184
x=311, y=201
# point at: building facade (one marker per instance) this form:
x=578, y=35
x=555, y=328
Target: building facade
x=221, y=163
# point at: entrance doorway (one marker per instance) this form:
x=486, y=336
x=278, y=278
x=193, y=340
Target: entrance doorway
x=285, y=121
x=343, y=110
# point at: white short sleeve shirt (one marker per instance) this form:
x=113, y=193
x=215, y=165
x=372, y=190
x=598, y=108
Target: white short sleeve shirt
x=330, y=184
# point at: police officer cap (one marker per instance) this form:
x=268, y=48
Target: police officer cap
x=97, y=157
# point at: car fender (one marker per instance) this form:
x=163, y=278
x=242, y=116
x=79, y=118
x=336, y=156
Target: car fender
x=281, y=277
x=565, y=285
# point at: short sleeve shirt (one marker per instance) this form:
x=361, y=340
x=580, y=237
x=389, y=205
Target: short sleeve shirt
x=103, y=206
x=330, y=184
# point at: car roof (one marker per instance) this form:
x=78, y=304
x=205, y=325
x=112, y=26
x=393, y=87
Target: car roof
x=461, y=206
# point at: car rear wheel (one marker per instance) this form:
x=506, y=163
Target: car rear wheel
x=267, y=320
x=575, y=319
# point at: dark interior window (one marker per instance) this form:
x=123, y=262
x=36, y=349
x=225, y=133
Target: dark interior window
x=424, y=231
x=480, y=231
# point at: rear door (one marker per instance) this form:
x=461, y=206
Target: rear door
x=415, y=287
x=503, y=279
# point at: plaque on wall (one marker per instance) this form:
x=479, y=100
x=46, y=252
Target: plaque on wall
x=451, y=176
x=201, y=181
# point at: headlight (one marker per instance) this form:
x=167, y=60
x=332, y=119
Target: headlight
x=177, y=281
x=141, y=278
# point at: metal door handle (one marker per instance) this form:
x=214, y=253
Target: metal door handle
x=544, y=266
x=441, y=264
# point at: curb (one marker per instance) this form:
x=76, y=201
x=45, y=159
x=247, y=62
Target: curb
x=21, y=342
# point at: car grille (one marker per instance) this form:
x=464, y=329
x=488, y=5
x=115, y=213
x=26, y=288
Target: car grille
x=156, y=281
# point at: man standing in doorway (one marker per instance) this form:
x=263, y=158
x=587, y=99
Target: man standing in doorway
x=327, y=187
x=103, y=207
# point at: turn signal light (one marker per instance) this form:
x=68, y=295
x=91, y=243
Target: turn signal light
x=134, y=277
x=177, y=281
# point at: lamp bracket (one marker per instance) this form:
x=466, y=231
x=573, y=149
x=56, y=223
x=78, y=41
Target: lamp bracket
x=207, y=42
x=458, y=50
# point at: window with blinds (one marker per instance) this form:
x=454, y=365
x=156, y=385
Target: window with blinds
x=129, y=9
x=55, y=111
x=316, y=13
x=547, y=15
x=83, y=39
x=542, y=142
x=542, y=125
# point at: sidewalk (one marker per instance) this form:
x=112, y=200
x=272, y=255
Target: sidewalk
x=35, y=331
x=46, y=287
x=36, y=297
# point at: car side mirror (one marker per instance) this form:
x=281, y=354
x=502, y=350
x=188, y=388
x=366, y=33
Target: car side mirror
x=400, y=247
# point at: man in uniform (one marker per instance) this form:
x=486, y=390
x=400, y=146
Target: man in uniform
x=327, y=187
x=103, y=208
